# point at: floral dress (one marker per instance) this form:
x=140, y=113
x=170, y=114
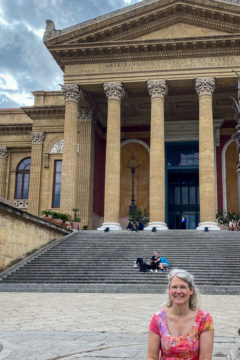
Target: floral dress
x=180, y=347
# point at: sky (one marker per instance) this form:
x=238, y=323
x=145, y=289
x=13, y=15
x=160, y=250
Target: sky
x=25, y=63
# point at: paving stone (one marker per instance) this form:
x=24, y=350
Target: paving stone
x=54, y=326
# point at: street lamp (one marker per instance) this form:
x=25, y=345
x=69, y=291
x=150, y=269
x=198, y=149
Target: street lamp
x=133, y=165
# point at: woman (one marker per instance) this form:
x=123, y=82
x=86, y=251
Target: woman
x=181, y=330
x=183, y=222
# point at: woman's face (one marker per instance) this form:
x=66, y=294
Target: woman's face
x=179, y=291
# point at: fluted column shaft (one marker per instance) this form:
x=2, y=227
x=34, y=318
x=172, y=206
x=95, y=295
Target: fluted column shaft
x=69, y=187
x=114, y=93
x=207, y=185
x=3, y=169
x=86, y=165
x=158, y=90
x=35, y=172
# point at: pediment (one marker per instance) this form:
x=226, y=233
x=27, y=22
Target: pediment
x=150, y=28
x=181, y=30
x=152, y=19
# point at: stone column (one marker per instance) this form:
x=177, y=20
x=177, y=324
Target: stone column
x=114, y=93
x=157, y=90
x=207, y=185
x=35, y=172
x=86, y=165
x=69, y=186
x=3, y=169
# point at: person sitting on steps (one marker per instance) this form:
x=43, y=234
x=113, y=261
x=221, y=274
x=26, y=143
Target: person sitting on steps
x=158, y=263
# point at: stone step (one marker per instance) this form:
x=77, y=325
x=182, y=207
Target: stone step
x=86, y=261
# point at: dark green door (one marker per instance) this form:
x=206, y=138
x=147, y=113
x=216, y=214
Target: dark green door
x=183, y=198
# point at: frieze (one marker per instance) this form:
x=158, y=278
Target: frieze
x=3, y=152
x=157, y=88
x=157, y=65
x=205, y=86
x=114, y=90
x=37, y=137
x=85, y=115
x=57, y=148
x=72, y=93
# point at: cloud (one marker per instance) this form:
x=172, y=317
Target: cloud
x=8, y=82
x=25, y=63
x=20, y=98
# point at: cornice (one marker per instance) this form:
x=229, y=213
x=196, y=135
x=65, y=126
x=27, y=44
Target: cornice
x=43, y=112
x=15, y=128
x=148, y=49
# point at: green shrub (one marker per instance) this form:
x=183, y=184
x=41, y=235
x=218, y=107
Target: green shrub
x=142, y=216
x=224, y=218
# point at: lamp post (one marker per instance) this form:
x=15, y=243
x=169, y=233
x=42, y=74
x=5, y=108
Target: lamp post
x=236, y=136
x=133, y=165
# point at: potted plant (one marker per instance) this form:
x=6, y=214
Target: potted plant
x=75, y=225
x=57, y=218
x=46, y=215
x=75, y=212
x=85, y=227
x=64, y=218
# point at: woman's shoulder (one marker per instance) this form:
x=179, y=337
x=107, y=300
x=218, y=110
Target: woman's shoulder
x=202, y=314
x=161, y=312
x=204, y=320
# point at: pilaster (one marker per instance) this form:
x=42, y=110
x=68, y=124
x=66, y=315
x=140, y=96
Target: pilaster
x=3, y=169
x=69, y=187
x=207, y=186
x=114, y=92
x=86, y=165
x=35, y=172
x=158, y=90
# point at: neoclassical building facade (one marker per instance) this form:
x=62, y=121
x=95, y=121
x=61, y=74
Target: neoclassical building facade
x=153, y=80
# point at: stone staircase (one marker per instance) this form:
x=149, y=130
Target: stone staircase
x=90, y=261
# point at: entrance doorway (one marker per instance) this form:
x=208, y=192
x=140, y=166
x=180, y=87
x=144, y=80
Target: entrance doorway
x=183, y=198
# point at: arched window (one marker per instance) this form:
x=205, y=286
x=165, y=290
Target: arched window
x=22, y=179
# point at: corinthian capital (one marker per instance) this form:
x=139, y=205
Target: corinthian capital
x=3, y=152
x=37, y=137
x=157, y=88
x=205, y=86
x=85, y=115
x=114, y=90
x=72, y=93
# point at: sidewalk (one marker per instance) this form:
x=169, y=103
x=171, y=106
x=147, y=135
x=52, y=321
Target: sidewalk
x=52, y=326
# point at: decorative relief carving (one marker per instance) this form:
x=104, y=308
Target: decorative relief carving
x=114, y=90
x=3, y=152
x=72, y=93
x=21, y=203
x=57, y=148
x=50, y=30
x=37, y=137
x=157, y=88
x=85, y=115
x=205, y=86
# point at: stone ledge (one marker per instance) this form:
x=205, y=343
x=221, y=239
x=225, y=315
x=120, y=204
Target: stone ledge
x=9, y=208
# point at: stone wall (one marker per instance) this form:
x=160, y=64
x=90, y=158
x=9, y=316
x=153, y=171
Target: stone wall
x=22, y=233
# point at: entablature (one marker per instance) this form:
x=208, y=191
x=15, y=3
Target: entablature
x=15, y=128
x=43, y=112
x=147, y=49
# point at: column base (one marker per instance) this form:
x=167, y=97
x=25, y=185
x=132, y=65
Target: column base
x=157, y=224
x=110, y=226
x=208, y=224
